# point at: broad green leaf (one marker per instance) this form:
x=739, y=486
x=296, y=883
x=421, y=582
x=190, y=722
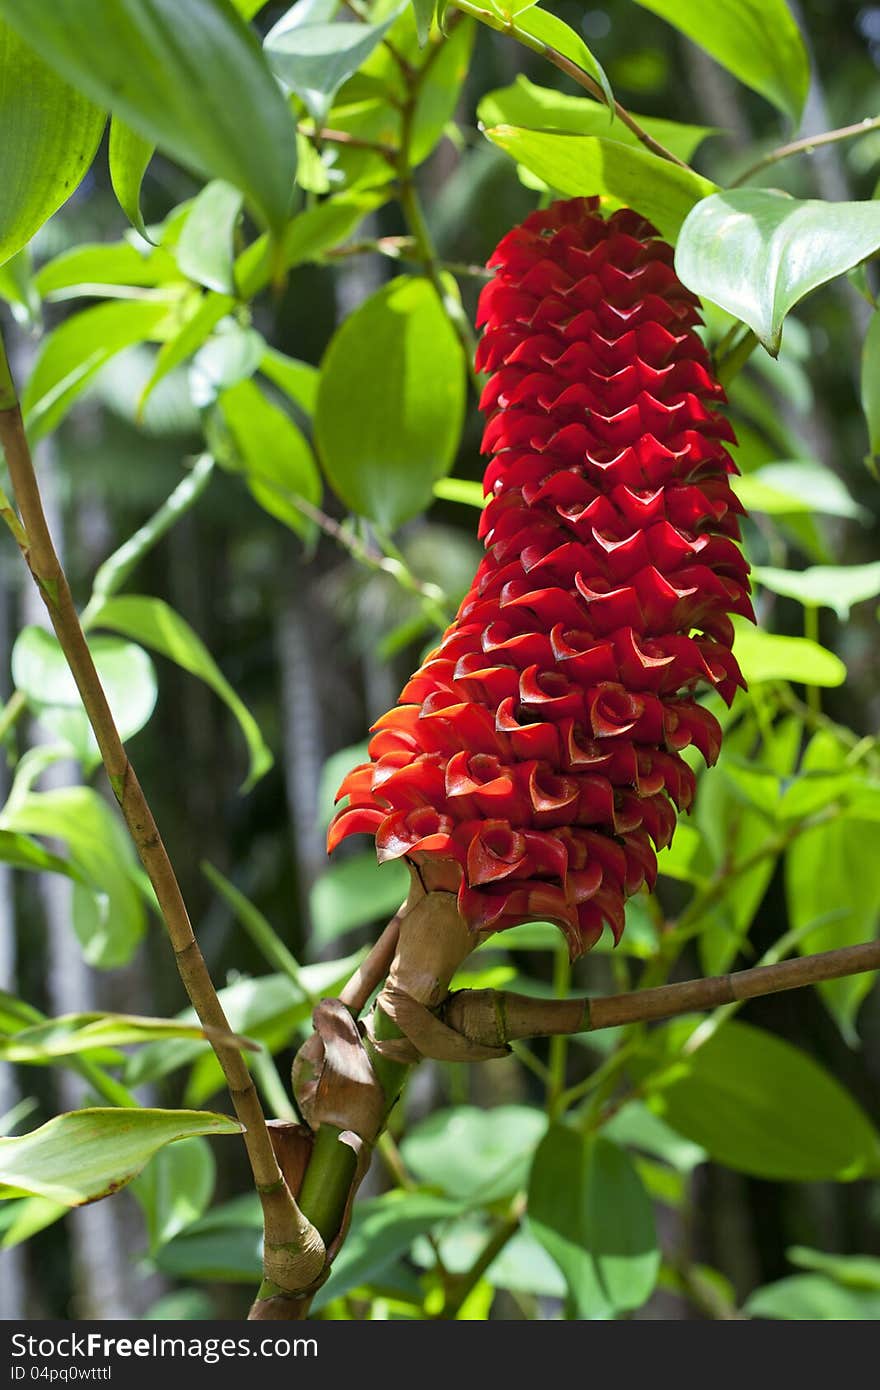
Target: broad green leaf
x=823, y=586
x=89, y=1154
x=23, y=853
x=390, y=402
x=523, y=1264
x=72, y=355
x=205, y=313
x=205, y=248
x=475, y=1154
x=274, y=456
x=298, y=380
x=158, y=626
x=832, y=880
x=757, y=40
x=50, y=135
x=870, y=384
x=226, y=1244
x=542, y=108
x=354, y=892
x=174, y=1189
x=23, y=1217
x=757, y=252
x=590, y=1211
x=129, y=155
x=190, y=78
x=812, y=1298
x=758, y=1104
x=621, y=176
x=766, y=656
x=231, y=355
x=856, y=1271
x=637, y=1126
x=382, y=1229
x=553, y=31
x=313, y=60
x=424, y=13
x=71, y=1034
x=40, y=671
x=797, y=485
x=108, y=912
x=93, y=266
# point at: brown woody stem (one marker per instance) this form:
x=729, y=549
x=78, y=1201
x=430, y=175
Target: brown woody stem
x=807, y=145
x=494, y=1017
x=289, y=1238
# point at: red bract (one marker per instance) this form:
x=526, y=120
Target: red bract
x=534, y=762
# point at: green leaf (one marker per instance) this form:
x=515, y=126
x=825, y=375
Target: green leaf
x=72, y=355
x=231, y=355
x=23, y=853
x=832, y=880
x=475, y=1154
x=205, y=313
x=298, y=380
x=870, y=387
x=382, y=1229
x=757, y=253
x=553, y=31
x=424, y=13
x=313, y=60
x=226, y=1245
x=71, y=1034
x=757, y=40
x=758, y=1104
x=306, y=238
x=129, y=155
x=542, y=108
x=856, y=1271
x=353, y=893
x=108, y=907
x=797, y=485
x=590, y=1211
x=812, y=1298
x=620, y=175
x=89, y=1154
x=190, y=78
x=158, y=626
x=205, y=248
x=639, y=1127
x=463, y=490
x=174, y=1189
x=18, y=287
x=766, y=656
x=391, y=402
x=40, y=671
x=92, y=266
x=823, y=586
x=50, y=135
x=273, y=454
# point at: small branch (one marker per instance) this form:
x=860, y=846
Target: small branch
x=807, y=146
x=285, y=1225
x=324, y=136
x=372, y=971
x=493, y=20
x=495, y=1017
x=732, y=362
x=464, y=1285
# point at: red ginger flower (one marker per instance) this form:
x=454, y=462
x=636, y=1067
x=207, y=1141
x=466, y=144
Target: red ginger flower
x=534, y=763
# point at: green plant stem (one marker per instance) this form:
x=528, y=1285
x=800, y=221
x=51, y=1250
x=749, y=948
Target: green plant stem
x=811, y=630
x=11, y=712
x=732, y=362
x=507, y=25
x=464, y=1285
x=283, y=1220
x=807, y=146
x=558, y=1045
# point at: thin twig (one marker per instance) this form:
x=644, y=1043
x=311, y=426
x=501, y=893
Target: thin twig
x=372, y=971
x=283, y=1220
x=323, y=135
x=807, y=145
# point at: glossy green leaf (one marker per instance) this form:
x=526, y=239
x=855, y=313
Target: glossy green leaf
x=50, y=135
x=189, y=77
x=24, y=1217
x=22, y=853
x=524, y=103
x=313, y=60
x=40, y=671
x=108, y=912
x=870, y=386
x=622, y=176
x=174, y=1189
x=306, y=237
x=553, y=31
x=92, y=267
x=832, y=881
x=856, y=1271
x=72, y=355
x=158, y=626
x=797, y=485
x=129, y=155
x=823, y=586
x=757, y=40
x=390, y=402
x=273, y=454
x=80, y=1157
x=812, y=1298
x=475, y=1154
x=226, y=1244
x=71, y=1034
x=637, y=1126
x=758, y=1104
x=766, y=656
x=757, y=252
x=205, y=248
x=353, y=893
x=298, y=380
x=590, y=1211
